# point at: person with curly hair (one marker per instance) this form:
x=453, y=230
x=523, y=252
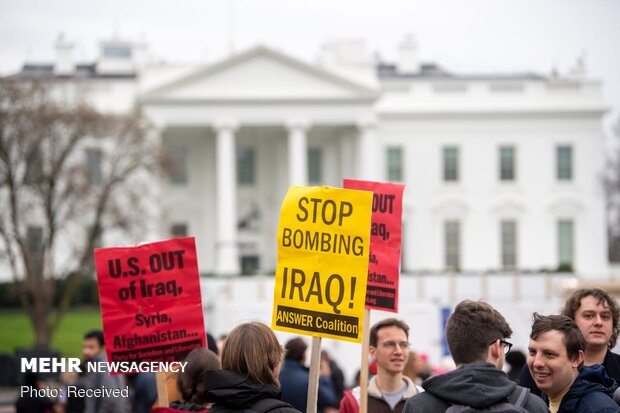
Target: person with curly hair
x=597, y=315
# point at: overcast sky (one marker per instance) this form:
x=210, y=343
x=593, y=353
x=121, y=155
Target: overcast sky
x=467, y=36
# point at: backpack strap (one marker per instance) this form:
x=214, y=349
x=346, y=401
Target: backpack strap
x=520, y=398
x=267, y=405
x=456, y=408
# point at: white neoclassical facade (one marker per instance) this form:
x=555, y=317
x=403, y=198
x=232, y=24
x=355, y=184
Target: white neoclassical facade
x=243, y=130
x=502, y=172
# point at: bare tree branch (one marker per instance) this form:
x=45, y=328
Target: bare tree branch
x=50, y=191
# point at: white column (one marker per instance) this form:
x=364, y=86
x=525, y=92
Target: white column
x=297, y=153
x=368, y=155
x=226, y=248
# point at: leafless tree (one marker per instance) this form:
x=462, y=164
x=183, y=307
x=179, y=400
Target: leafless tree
x=66, y=172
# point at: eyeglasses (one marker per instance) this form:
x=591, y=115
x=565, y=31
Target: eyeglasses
x=507, y=345
x=391, y=345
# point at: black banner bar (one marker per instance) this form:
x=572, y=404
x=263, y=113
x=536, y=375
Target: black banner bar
x=381, y=297
x=168, y=352
x=316, y=321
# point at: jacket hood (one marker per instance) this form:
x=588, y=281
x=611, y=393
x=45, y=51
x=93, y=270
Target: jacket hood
x=478, y=384
x=234, y=390
x=590, y=379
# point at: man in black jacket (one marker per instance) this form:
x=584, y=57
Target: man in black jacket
x=477, y=337
x=598, y=317
x=555, y=360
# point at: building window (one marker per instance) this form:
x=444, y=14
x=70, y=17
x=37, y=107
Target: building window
x=34, y=169
x=315, y=166
x=177, y=164
x=509, y=244
x=507, y=163
x=245, y=166
x=395, y=164
x=34, y=239
x=451, y=163
x=452, y=239
x=93, y=166
x=118, y=52
x=566, y=245
x=250, y=264
x=178, y=230
x=564, y=163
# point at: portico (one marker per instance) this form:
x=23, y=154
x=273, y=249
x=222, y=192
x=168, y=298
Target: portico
x=220, y=113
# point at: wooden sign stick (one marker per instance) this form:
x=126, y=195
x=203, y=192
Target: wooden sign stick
x=313, y=379
x=162, y=391
x=364, y=368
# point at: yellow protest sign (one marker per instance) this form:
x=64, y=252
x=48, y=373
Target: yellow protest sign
x=323, y=243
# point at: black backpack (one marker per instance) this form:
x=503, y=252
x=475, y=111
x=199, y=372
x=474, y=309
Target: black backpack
x=501, y=407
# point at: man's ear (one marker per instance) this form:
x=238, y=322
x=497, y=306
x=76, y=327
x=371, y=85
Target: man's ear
x=577, y=361
x=372, y=351
x=494, y=352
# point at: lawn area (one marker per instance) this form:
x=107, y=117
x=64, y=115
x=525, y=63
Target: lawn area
x=16, y=330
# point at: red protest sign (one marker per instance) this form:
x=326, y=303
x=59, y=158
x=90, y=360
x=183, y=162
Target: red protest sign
x=150, y=301
x=385, y=242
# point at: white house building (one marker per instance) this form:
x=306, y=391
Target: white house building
x=503, y=171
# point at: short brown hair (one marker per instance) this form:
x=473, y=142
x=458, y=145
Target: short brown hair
x=574, y=302
x=388, y=322
x=190, y=381
x=471, y=328
x=252, y=350
x=295, y=349
x=573, y=338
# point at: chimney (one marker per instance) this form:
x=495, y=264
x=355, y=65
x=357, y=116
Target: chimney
x=408, y=55
x=64, y=64
x=580, y=68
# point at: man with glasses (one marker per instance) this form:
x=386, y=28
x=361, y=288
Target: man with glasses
x=477, y=336
x=389, y=388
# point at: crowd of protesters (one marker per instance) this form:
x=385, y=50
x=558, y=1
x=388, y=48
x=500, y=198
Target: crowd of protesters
x=569, y=367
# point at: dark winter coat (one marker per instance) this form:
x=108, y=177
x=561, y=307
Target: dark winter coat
x=591, y=392
x=294, y=386
x=478, y=384
x=232, y=392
